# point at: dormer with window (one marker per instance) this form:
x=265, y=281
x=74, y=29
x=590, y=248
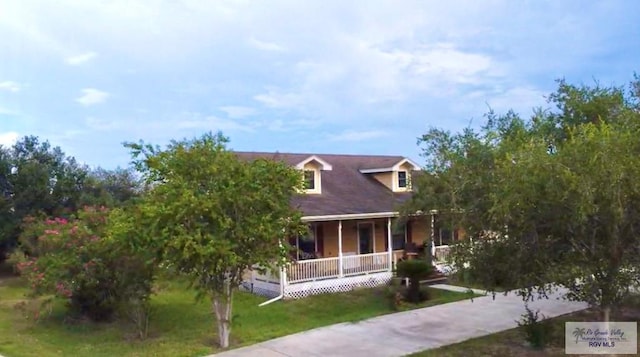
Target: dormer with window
x=312, y=168
x=397, y=177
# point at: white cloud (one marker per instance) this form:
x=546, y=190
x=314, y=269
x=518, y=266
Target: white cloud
x=80, y=59
x=102, y=125
x=276, y=98
x=353, y=135
x=8, y=138
x=265, y=46
x=10, y=86
x=521, y=99
x=237, y=112
x=92, y=96
x=192, y=120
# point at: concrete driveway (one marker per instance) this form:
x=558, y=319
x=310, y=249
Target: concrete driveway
x=407, y=332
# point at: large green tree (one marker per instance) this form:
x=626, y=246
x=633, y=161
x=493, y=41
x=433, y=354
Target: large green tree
x=215, y=215
x=110, y=188
x=35, y=178
x=555, y=197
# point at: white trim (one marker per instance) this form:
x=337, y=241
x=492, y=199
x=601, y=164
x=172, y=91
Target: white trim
x=317, y=181
x=335, y=217
x=373, y=236
x=340, y=268
x=414, y=166
x=324, y=165
x=375, y=171
x=395, y=181
x=389, y=244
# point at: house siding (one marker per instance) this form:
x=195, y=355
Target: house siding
x=420, y=231
x=385, y=178
x=419, y=234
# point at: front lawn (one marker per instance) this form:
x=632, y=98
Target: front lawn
x=181, y=327
x=512, y=342
x=458, y=280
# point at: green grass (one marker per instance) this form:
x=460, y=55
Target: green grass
x=512, y=342
x=182, y=327
x=456, y=279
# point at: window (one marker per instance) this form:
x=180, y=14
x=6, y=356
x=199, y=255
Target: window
x=446, y=236
x=399, y=238
x=307, y=245
x=402, y=179
x=309, y=179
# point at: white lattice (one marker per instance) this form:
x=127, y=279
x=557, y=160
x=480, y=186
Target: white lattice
x=264, y=284
x=301, y=290
x=266, y=289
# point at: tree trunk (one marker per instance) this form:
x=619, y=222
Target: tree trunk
x=222, y=304
x=606, y=312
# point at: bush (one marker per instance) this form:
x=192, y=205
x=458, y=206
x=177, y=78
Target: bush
x=88, y=260
x=414, y=270
x=396, y=295
x=537, y=330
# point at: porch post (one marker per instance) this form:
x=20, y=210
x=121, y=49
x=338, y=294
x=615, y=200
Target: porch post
x=432, y=246
x=283, y=281
x=283, y=273
x=389, y=244
x=340, y=273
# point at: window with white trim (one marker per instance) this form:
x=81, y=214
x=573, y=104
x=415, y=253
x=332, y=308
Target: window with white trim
x=446, y=236
x=402, y=179
x=310, y=180
x=399, y=237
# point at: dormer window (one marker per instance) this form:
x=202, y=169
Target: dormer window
x=310, y=180
x=397, y=178
x=311, y=169
x=402, y=179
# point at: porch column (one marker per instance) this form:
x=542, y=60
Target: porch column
x=340, y=273
x=389, y=244
x=432, y=247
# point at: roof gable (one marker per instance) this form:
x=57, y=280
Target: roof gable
x=325, y=166
x=395, y=167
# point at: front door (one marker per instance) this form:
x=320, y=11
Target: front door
x=365, y=238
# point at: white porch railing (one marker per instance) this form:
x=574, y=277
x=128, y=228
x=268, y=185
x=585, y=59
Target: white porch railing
x=441, y=253
x=312, y=269
x=365, y=263
x=328, y=268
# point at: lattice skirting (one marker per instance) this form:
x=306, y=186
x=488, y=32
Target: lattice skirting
x=262, y=288
x=301, y=290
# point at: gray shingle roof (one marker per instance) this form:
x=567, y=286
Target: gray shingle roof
x=344, y=189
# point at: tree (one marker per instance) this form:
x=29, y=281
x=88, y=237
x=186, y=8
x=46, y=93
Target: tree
x=36, y=179
x=110, y=188
x=215, y=215
x=97, y=262
x=555, y=197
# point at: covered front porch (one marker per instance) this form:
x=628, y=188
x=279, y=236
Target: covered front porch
x=343, y=254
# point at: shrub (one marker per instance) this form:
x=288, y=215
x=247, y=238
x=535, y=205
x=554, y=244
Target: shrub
x=414, y=270
x=87, y=260
x=537, y=331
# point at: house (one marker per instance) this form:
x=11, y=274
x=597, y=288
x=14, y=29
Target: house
x=351, y=205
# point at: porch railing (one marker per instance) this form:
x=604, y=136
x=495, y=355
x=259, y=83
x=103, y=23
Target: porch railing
x=328, y=268
x=441, y=253
x=365, y=263
x=312, y=269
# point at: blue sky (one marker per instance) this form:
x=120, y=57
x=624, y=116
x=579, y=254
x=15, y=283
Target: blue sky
x=360, y=77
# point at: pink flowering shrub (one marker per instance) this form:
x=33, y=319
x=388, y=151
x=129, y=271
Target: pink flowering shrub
x=81, y=261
